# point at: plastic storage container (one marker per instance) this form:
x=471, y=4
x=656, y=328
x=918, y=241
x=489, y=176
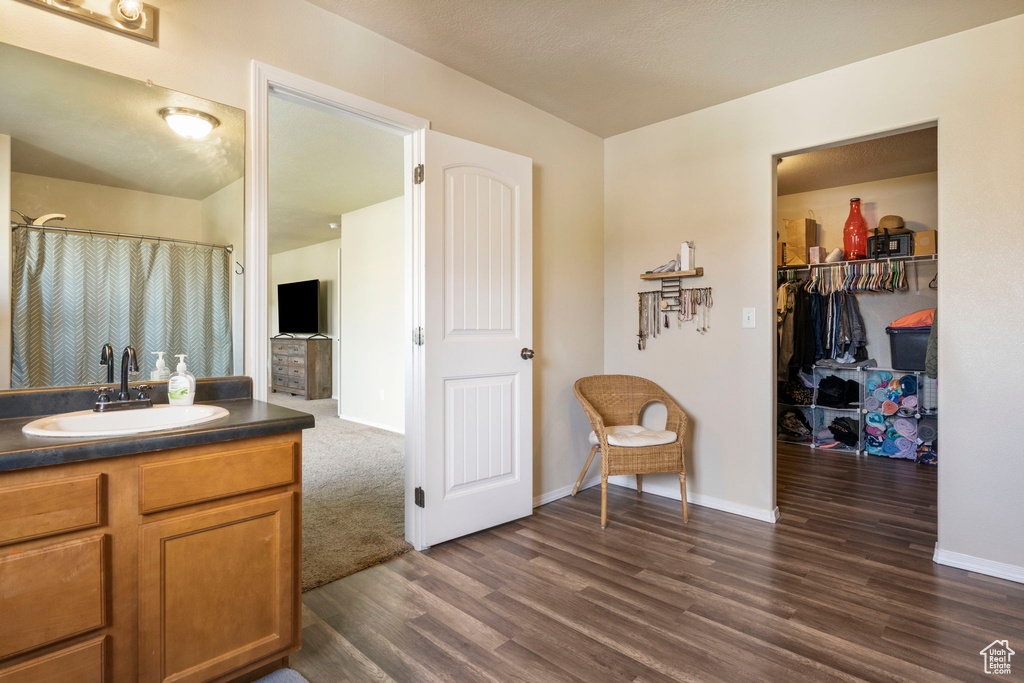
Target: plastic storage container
x=908, y=347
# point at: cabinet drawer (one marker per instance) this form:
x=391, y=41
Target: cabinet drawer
x=280, y=369
x=50, y=507
x=297, y=383
x=51, y=594
x=279, y=347
x=280, y=359
x=296, y=360
x=164, y=486
x=295, y=349
x=83, y=663
x=297, y=371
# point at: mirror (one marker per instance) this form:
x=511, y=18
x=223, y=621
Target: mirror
x=127, y=225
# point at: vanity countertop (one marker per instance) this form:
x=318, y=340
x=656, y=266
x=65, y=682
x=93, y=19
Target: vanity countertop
x=247, y=418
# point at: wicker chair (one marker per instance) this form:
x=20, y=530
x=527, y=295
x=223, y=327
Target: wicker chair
x=616, y=400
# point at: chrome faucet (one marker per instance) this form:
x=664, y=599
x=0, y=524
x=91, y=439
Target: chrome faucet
x=124, y=398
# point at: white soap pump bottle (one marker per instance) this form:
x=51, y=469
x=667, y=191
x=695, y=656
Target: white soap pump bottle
x=181, y=388
x=161, y=372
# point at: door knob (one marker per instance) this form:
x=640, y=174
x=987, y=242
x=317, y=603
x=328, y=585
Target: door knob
x=526, y=353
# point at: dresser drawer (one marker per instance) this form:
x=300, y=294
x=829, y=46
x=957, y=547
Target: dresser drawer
x=164, y=486
x=48, y=508
x=280, y=369
x=279, y=359
x=51, y=594
x=296, y=360
x=297, y=371
x=279, y=347
x=297, y=383
x=82, y=663
x=295, y=349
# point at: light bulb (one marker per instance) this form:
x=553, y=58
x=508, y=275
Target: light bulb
x=189, y=123
x=129, y=10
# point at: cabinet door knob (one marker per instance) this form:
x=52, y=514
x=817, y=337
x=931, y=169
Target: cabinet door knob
x=526, y=353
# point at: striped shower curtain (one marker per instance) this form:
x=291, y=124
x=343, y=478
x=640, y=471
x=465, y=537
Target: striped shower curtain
x=71, y=294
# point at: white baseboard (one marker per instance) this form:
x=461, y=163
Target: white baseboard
x=1000, y=570
x=552, y=496
x=629, y=481
x=359, y=420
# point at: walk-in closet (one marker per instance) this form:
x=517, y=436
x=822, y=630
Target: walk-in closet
x=857, y=292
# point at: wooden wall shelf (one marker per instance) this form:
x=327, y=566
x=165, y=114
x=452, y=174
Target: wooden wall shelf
x=696, y=272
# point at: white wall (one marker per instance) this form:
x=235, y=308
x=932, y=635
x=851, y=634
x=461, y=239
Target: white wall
x=5, y=264
x=206, y=49
x=112, y=209
x=708, y=176
x=913, y=197
x=223, y=222
x=373, y=335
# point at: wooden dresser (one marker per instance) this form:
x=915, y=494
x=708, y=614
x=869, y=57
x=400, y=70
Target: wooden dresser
x=301, y=367
x=176, y=565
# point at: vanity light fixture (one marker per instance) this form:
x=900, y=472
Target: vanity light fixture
x=189, y=123
x=131, y=17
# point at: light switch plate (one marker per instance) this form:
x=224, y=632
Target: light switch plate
x=748, y=317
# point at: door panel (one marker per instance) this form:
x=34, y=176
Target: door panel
x=204, y=612
x=478, y=317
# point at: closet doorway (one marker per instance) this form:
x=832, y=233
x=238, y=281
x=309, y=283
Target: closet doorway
x=856, y=291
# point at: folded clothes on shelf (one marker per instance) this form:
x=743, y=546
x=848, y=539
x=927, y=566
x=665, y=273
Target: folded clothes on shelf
x=836, y=392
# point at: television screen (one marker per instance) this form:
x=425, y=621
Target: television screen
x=298, y=307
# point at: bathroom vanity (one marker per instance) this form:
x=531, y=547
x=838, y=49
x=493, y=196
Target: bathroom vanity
x=165, y=556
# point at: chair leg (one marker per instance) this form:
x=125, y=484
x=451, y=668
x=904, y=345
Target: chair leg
x=639, y=483
x=604, y=501
x=682, y=491
x=579, y=482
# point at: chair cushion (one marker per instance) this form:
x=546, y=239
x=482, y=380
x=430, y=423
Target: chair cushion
x=634, y=436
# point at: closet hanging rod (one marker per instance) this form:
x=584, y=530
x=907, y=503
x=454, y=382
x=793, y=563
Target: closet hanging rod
x=888, y=259
x=127, y=235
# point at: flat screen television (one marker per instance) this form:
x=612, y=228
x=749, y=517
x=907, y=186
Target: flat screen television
x=298, y=307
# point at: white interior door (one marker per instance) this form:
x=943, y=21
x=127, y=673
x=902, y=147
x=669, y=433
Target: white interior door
x=478, y=318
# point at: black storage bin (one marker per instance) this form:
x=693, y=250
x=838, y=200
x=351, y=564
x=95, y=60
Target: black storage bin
x=909, y=346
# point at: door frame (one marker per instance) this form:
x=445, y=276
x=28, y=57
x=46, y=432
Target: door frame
x=267, y=80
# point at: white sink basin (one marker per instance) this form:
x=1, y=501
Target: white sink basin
x=122, y=422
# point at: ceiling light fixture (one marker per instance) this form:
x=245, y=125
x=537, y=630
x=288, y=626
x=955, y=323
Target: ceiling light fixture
x=189, y=123
x=334, y=226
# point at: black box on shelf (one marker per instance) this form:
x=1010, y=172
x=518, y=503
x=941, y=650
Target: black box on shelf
x=908, y=346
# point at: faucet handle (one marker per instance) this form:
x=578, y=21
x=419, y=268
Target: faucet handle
x=102, y=394
x=144, y=390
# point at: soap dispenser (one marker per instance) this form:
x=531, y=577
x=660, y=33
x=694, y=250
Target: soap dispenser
x=181, y=388
x=161, y=373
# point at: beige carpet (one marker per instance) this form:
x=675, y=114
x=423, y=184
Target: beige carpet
x=353, y=494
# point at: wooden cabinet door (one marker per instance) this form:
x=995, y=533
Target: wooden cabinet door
x=218, y=589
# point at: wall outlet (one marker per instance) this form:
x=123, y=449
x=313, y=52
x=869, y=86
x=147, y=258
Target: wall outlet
x=748, y=317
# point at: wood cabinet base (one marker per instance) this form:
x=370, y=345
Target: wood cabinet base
x=188, y=570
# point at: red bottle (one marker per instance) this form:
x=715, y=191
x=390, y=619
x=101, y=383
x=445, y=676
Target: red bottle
x=855, y=233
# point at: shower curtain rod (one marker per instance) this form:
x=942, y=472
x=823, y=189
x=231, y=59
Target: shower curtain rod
x=59, y=228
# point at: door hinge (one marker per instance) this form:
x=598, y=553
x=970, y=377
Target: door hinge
x=417, y=174
x=418, y=497
x=417, y=336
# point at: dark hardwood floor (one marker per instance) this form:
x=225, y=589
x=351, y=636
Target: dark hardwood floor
x=841, y=588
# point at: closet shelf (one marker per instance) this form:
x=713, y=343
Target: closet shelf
x=923, y=257
x=674, y=274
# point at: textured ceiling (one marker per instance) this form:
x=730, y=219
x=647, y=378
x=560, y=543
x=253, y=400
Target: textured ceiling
x=610, y=66
x=322, y=166
x=892, y=156
x=77, y=123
